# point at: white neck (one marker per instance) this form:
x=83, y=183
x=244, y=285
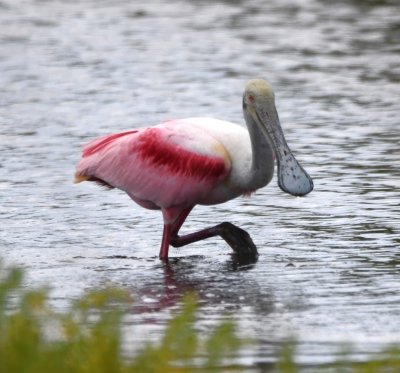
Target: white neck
x=262, y=166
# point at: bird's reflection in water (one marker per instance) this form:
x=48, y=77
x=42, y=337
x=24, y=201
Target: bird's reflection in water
x=218, y=285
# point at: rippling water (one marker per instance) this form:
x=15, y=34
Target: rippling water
x=328, y=271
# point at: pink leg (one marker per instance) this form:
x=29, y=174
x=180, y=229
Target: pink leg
x=180, y=220
x=166, y=238
x=238, y=239
x=171, y=230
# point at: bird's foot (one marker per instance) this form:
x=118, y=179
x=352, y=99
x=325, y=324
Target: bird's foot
x=238, y=239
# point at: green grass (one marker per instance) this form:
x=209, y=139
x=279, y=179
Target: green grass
x=87, y=338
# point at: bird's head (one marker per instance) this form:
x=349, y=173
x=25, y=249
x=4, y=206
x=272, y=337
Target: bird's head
x=260, y=111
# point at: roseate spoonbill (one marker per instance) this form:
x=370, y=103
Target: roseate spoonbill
x=178, y=164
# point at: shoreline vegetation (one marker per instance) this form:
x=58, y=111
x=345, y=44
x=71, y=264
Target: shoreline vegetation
x=87, y=338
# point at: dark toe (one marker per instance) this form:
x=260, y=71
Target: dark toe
x=238, y=239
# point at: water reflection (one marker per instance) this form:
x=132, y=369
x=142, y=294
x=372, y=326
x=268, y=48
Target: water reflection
x=328, y=265
x=173, y=279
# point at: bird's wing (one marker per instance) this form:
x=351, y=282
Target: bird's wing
x=97, y=144
x=165, y=165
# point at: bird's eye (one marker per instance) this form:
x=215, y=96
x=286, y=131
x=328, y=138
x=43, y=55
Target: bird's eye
x=251, y=98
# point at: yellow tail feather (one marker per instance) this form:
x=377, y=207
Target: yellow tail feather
x=80, y=178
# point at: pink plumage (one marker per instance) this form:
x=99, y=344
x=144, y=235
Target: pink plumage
x=154, y=166
x=178, y=164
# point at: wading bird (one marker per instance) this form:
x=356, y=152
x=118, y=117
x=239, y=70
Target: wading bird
x=180, y=163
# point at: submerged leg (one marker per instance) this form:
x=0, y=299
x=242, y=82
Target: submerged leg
x=238, y=239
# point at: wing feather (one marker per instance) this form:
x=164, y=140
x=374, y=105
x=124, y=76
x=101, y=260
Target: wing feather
x=164, y=165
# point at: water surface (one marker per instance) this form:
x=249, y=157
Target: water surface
x=328, y=271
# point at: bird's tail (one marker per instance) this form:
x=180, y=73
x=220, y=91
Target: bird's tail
x=79, y=178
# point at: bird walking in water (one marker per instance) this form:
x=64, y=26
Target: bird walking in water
x=178, y=164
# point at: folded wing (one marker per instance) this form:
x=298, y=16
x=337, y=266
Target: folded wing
x=159, y=167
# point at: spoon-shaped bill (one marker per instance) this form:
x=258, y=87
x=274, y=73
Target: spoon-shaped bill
x=292, y=178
